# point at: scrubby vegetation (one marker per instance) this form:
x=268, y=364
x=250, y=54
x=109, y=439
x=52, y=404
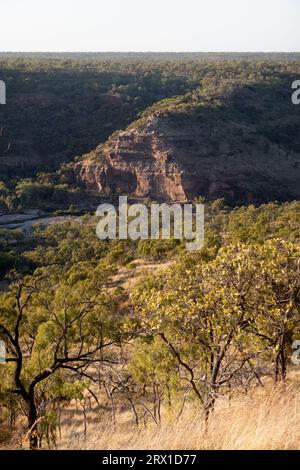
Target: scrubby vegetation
x=218, y=322
x=62, y=108
x=142, y=335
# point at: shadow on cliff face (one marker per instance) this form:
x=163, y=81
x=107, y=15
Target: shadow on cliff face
x=118, y=182
x=232, y=141
x=242, y=144
x=269, y=108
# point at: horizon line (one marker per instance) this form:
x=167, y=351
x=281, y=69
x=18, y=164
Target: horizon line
x=149, y=52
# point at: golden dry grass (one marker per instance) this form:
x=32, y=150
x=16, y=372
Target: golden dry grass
x=269, y=419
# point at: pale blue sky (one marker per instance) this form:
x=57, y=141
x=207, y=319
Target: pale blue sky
x=153, y=25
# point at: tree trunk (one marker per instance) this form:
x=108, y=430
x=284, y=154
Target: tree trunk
x=209, y=407
x=32, y=425
x=280, y=368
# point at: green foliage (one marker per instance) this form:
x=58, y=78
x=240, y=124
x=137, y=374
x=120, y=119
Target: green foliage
x=158, y=249
x=44, y=195
x=216, y=321
x=63, y=108
x=218, y=318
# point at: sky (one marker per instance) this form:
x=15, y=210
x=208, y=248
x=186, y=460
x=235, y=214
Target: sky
x=150, y=25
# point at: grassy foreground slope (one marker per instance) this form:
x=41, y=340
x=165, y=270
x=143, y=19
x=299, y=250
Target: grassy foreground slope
x=107, y=350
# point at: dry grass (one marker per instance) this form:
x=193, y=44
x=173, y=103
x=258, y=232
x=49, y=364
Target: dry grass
x=128, y=278
x=269, y=419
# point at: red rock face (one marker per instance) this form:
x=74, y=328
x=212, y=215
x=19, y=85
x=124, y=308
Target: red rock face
x=136, y=164
x=178, y=161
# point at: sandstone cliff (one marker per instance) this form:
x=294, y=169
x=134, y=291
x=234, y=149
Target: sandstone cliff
x=230, y=145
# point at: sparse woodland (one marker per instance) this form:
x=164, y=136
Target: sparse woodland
x=217, y=323
x=139, y=340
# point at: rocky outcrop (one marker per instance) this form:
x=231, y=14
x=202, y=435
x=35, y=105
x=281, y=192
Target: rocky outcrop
x=137, y=163
x=241, y=143
x=207, y=151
